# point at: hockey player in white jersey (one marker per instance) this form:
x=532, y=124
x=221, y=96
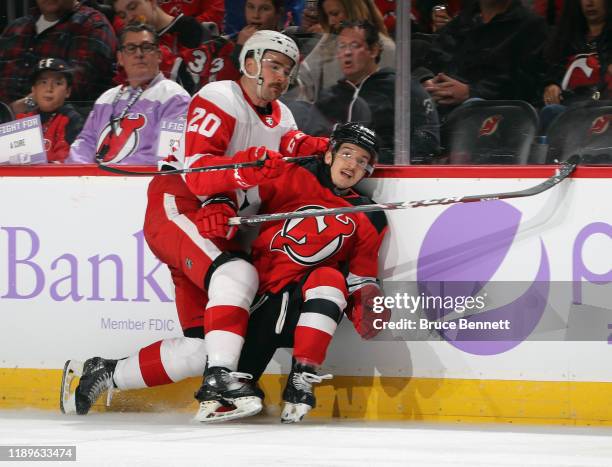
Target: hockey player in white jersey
x=186, y=228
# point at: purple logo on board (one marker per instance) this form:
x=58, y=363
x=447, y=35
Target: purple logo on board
x=461, y=252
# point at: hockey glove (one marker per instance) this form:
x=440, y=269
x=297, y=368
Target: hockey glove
x=273, y=166
x=213, y=216
x=294, y=143
x=367, y=317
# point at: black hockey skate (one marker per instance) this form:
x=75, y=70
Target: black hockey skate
x=298, y=394
x=96, y=377
x=227, y=395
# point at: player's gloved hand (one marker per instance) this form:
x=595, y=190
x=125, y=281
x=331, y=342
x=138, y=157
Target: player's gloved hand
x=295, y=143
x=213, y=216
x=364, y=311
x=273, y=166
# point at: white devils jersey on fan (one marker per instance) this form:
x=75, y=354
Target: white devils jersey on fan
x=222, y=121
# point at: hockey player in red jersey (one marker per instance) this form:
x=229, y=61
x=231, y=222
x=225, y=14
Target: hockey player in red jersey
x=227, y=121
x=309, y=268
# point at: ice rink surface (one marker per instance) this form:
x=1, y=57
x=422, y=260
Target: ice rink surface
x=115, y=439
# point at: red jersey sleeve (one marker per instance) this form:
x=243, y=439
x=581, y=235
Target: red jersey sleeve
x=295, y=143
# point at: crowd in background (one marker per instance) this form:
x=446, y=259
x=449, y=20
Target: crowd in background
x=549, y=53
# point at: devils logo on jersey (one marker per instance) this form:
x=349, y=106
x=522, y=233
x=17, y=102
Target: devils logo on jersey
x=600, y=125
x=582, y=70
x=490, y=125
x=311, y=240
x=116, y=147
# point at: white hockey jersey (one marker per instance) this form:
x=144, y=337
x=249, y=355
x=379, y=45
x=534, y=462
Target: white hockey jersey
x=222, y=121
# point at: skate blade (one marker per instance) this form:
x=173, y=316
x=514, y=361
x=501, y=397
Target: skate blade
x=294, y=413
x=72, y=369
x=245, y=407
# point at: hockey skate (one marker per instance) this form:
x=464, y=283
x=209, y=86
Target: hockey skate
x=96, y=377
x=298, y=394
x=227, y=395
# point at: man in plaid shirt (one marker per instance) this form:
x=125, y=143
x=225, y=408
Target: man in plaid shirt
x=58, y=28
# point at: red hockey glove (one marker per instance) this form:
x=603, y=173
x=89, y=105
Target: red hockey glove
x=366, y=315
x=213, y=216
x=294, y=143
x=250, y=176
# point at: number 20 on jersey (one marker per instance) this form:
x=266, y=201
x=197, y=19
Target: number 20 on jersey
x=204, y=123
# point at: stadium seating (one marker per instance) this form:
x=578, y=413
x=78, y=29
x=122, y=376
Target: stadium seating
x=582, y=129
x=489, y=132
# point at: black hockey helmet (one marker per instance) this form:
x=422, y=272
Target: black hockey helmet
x=358, y=134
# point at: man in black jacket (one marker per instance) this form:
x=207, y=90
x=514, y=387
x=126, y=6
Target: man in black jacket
x=366, y=94
x=492, y=50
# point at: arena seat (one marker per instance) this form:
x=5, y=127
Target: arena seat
x=582, y=129
x=489, y=132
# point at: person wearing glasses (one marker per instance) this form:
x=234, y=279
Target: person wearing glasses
x=124, y=124
x=314, y=270
x=178, y=35
x=364, y=81
x=320, y=70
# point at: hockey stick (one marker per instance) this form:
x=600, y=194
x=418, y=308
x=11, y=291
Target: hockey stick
x=564, y=170
x=211, y=168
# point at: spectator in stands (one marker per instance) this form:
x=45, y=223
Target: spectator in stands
x=218, y=59
x=61, y=123
x=579, y=56
x=177, y=36
x=306, y=32
x=491, y=50
x=310, y=21
x=259, y=15
x=235, y=19
x=205, y=11
x=124, y=125
x=320, y=69
x=358, y=54
x=64, y=29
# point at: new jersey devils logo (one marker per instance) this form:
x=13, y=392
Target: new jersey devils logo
x=311, y=240
x=124, y=141
x=600, y=125
x=490, y=125
x=583, y=70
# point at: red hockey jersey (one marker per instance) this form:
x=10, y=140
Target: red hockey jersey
x=286, y=250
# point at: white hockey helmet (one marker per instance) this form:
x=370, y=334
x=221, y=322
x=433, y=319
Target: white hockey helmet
x=264, y=40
